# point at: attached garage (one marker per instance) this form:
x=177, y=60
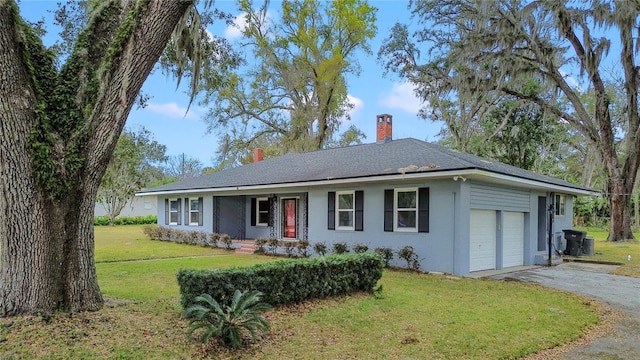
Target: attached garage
x=512, y=239
x=482, y=241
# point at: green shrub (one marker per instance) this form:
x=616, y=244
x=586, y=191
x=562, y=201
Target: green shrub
x=386, y=253
x=226, y=241
x=320, y=248
x=152, y=232
x=340, y=248
x=213, y=239
x=244, y=314
x=289, y=248
x=410, y=256
x=360, y=248
x=125, y=220
x=273, y=245
x=260, y=243
x=286, y=281
x=302, y=248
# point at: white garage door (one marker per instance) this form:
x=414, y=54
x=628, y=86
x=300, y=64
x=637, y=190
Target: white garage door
x=512, y=239
x=482, y=252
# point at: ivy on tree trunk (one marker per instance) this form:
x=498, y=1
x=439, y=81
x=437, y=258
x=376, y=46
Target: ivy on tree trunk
x=58, y=130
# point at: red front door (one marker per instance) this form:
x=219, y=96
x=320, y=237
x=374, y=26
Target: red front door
x=290, y=207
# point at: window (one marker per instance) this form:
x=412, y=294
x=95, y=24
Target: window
x=194, y=212
x=346, y=209
x=560, y=205
x=174, y=211
x=262, y=212
x=406, y=210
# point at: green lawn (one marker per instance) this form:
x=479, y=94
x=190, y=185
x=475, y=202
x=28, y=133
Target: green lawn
x=615, y=252
x=419, y=316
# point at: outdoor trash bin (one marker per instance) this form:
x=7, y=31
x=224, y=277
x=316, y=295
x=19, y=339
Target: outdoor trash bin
x=574, y=242
x=588, y=246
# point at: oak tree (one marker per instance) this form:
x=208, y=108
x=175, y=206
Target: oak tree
x=60, y=120
x=542, y=52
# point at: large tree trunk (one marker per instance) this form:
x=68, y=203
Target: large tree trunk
x=47, y=239
x=620, y=200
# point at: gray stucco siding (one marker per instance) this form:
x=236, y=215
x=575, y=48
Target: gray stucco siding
x=435, y=248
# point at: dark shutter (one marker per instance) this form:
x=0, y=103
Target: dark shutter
x=359, y=223
x=423, y=210
x=253, y=211
x=200, y=211
x=187, y=211
x=331, y=214
x=166, y=211
x=388, y=210
x=179, y=211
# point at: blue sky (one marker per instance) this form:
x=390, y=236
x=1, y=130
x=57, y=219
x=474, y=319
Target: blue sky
x=371, y=92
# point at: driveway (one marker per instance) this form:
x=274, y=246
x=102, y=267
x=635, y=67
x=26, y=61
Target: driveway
x=622, y=293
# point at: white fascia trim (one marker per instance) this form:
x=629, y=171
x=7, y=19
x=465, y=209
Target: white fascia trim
x=475, y=173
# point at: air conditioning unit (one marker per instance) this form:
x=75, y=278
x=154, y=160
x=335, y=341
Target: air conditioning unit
x=560, y=243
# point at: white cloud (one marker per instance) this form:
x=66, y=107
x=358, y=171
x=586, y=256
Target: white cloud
x=357, y=105
x=234, y=30
x=403, y=97
x=172, y=110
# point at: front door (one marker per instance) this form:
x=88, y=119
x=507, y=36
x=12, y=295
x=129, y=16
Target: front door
x=290, y=216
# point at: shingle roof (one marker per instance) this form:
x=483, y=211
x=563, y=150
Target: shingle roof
x=358, y=161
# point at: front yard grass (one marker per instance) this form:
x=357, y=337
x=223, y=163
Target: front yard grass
x=418, y=316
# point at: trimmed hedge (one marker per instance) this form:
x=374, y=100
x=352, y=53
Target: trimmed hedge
x=125, y=220
x=286, y=281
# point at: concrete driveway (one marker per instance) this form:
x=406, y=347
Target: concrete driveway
x=619, y=292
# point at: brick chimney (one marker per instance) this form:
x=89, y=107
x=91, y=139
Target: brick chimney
x=384, y=128
x=258, y=155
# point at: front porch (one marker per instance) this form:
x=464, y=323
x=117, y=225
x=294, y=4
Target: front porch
x=247, y=217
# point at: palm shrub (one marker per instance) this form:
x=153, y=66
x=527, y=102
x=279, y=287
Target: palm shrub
x=228, y=323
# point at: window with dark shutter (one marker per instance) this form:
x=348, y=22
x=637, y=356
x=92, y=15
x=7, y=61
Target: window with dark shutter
x=331, y=213
x=388, y=209
x=359, y=218
x=423, y=210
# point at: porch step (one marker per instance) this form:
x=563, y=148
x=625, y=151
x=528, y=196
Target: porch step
x=246, y=248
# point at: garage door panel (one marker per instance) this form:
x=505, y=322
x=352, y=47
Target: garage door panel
x=482, y=242
x=512, y=239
